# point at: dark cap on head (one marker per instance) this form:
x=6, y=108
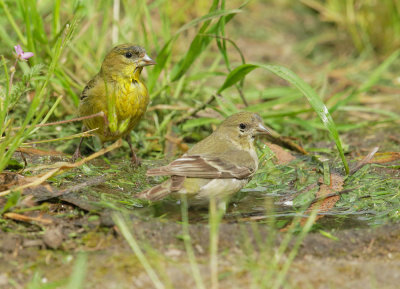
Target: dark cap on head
x=129, y=47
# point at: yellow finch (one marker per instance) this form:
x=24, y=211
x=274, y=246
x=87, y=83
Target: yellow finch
x=117, y=94
x=218, y=166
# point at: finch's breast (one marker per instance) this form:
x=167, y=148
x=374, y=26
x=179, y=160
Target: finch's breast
x=132, y=101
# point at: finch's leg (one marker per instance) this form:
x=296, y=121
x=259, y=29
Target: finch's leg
x=135, y=160
x=106, y=123
x=77, y=153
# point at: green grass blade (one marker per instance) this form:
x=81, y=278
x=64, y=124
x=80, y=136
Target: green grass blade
x=377, y=73
x=282, y=273
x=162, y=59
x=122, y=225
x=79, y=272
x=207, y=17
x=374, y=77
x=236, y=75
x=315, y=101
x=56, y=18
x=25, y=9
x=199, y=43
x=13, y=23
x=216, y=212
x=188, y=244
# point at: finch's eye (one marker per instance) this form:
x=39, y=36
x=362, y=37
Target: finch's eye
x=128, y=54
x=242, y=126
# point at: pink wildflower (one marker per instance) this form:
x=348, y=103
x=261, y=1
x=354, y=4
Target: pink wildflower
x=21, y=54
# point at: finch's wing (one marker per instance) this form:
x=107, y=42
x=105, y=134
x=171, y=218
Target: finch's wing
x=203, y=166
x=88, y=87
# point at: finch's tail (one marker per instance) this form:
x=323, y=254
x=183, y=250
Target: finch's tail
x=156, y=193
x=162, y=190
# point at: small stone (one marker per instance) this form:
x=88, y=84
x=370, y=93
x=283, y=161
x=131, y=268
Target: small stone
x=53, y=238
x=106, y=220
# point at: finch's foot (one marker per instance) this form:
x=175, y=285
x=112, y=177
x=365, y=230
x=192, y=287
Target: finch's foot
x=76, y=155
x=135, y=161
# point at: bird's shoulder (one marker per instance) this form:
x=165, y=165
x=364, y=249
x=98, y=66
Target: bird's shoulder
x=225, y=149
x=213, y=144
x=96, y=87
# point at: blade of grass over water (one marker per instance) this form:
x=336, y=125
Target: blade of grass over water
x=214, y=225
x=216, y=212
x=282, y=273
x=315, y=101
x=122, y=225
x=77, y=278
x=188, y=243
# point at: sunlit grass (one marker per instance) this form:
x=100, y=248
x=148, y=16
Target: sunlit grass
x=371, y=25
x=180, y=73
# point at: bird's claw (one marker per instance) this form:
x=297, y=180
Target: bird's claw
x=76, y=155
x=135, y=161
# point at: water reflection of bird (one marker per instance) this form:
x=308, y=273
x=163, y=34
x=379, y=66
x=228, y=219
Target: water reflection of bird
x=219, y=165
x=118, y=94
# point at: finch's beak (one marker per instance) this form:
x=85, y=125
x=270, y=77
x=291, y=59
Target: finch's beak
x=146, y=61
x=261, y=129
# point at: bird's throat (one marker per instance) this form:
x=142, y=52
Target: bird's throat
x=136, y=73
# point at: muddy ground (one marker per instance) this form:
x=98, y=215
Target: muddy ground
x=357, y=258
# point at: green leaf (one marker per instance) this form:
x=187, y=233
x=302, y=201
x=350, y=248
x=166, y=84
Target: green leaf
x=14, y=165
x=12, y=201
x=200, y=43
x=236, y=75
